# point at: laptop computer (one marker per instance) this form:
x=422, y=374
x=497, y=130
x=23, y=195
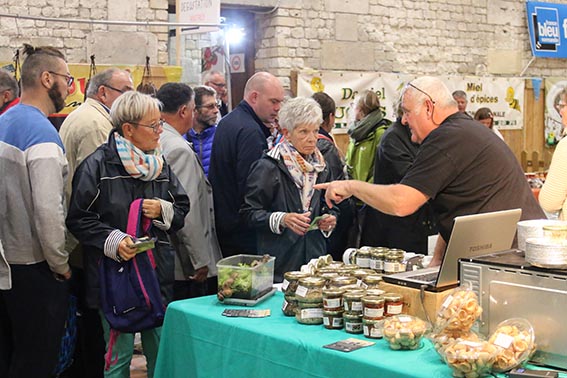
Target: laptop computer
x=472, y=235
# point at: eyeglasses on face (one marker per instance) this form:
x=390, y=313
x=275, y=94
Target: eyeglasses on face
x=114, y=89
x=220, y=85
x=70, y=79
x=155, y=127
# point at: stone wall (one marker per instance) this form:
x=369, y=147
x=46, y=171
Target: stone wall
x=111, y=44
x=460, y=37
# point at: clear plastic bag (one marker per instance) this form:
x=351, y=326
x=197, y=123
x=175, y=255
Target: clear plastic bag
x=405, y=331
x=516, y=339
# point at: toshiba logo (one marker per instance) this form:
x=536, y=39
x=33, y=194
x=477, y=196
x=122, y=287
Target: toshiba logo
x=480, y=247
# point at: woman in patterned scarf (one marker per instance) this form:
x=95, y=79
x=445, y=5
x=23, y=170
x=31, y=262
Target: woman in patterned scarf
x=129, y=166
x=280, y=202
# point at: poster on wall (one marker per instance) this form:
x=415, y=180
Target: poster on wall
x=504, y=96
x=160, y=75
x=343, y=87
x=553, y=124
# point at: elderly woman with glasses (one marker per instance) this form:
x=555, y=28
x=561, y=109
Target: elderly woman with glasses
x=289, y=215
x=128, y=167
x=553, y=194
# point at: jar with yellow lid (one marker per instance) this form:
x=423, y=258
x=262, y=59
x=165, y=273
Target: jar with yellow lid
x=377, y=258
x=394, y=261
x=310, y=289
x=346, y=269
x=363, y=257
x=375, y=292
x=372, y=307
x=371, y=281
x=353, y=301
x=342, y=281
x=291, y=280
x=333, y=299
x=393, y=304
x=328, y=276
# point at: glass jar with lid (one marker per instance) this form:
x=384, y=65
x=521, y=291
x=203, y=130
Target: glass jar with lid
x=363, y=257
x=394, y=261
x=373, y=307
x=371, y=281
x=393, y=304
x=346, y=269
x=289, y=306
x=353, y=301
x=310, y=289
x=373, y=328
x=333, y=319
x=333, y=299
x=353, y=323
x=375, y=292
x=309, y=312
x=291, y=280
x=328, y=276
x=342, y=281
x=377, y=258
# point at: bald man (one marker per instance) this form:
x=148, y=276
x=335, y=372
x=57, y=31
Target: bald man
x=450, y=169
x=239, y=141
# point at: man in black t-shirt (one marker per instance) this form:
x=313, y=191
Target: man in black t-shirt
x=461, y=166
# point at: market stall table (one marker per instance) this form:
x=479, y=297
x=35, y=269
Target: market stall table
x=198, y=341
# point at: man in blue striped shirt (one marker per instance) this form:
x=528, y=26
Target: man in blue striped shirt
x=34, y=303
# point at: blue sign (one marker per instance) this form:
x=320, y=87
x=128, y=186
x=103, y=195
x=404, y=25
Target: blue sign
x=547, y=23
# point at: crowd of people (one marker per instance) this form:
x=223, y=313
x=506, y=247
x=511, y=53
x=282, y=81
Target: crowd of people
x=266, y=178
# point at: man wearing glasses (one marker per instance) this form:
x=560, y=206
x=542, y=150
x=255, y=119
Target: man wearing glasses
x=35, y=300
x=216, y=80
x=462, y=167
x=82, y=132
x=204, y=124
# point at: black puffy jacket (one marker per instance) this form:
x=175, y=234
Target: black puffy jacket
x=102, y=194
x=270, y=188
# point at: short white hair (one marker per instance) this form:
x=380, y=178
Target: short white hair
x=300, y=111
x=434, y=87
x=131, y=107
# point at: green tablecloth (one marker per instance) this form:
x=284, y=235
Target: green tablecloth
x=197, y=341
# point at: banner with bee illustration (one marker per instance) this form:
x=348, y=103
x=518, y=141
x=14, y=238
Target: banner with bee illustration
x=504, y=96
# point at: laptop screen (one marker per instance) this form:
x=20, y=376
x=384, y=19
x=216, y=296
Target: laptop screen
x=476, y=235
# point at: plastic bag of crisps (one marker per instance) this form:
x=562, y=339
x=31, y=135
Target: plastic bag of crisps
x=458, y=312
x=404, y=331
x=441, y=340
x=470, y=358
x=516, y=339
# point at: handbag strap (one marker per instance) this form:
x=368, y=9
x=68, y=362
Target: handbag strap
x=138, y=224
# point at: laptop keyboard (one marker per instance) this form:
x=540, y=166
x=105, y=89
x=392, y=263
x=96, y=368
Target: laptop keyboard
x=427, y=277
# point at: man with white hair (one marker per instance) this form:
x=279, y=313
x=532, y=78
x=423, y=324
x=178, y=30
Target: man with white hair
x=461, y=167
x=216, y=80
x=9, y=91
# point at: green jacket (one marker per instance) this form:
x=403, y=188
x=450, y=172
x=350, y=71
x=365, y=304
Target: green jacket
x=364, y=141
